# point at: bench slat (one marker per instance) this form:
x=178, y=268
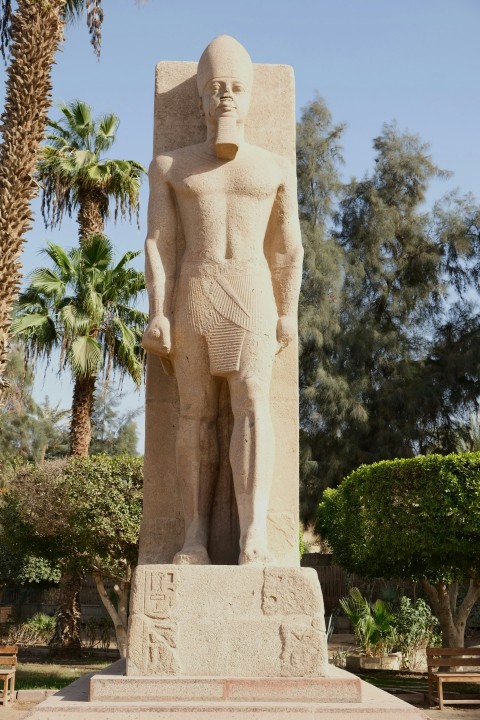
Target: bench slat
x=8, y=649
x=455, y=662
x=442, y=652
x=462, y=678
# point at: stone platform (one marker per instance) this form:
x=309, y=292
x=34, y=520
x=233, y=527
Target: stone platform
x=115, y=688
x=340, y=695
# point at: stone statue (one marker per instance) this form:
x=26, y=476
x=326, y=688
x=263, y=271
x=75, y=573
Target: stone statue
x=219, y=308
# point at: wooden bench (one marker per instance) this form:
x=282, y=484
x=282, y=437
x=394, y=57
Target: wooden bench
x=450, y=664
x=8, y=665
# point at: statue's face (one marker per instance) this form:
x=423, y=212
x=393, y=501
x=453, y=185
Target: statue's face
x=225, y=97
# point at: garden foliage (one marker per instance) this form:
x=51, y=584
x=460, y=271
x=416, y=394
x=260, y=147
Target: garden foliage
x=415, y=518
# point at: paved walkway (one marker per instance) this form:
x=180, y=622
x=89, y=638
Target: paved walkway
x=20, y=710
x=16, y=710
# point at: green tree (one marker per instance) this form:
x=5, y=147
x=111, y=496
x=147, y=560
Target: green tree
x=75, y=176
x=400, y=369
x=319, y=156
x=83, y=305
x=418, y=519
x=28, y=430
x=31, y=32
x=113, y=433
x=79, y=516
x=51, y=434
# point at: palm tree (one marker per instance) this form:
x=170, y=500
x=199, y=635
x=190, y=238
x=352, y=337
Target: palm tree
x=31, y=35
x=83, y=306
x=74, y=175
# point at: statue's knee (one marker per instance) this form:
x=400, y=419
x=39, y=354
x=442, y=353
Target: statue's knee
x=197, y=411
x=249, y=397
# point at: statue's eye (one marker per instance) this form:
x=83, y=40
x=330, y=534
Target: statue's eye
x=238, y=87
x=215, y=86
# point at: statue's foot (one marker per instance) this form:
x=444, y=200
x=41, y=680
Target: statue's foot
x=192, y=555
x=254, y=553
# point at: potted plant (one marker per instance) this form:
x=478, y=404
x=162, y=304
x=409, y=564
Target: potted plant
x=374, y=629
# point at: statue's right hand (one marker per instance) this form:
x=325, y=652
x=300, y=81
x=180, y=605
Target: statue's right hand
x=156, y=338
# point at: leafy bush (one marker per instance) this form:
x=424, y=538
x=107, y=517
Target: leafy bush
x=417, y=519
x=373, y=625
x=97, y=632
x=36, y=630
x=416, y=627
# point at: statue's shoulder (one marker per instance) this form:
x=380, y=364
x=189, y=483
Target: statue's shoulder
x=170, y=160
x=281, y=163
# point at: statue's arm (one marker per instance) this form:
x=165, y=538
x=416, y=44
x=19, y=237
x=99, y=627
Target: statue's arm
x=160, y=258
x=286, y=256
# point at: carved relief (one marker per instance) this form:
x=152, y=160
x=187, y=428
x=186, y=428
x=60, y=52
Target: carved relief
x=303, y=649
x=160, y=593
x=285, y=592
x=161, y=657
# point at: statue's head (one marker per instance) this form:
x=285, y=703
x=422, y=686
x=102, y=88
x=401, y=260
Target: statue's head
x=224, y=81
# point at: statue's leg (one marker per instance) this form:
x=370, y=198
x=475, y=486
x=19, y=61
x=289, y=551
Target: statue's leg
x=252, y=446
x=197, y=451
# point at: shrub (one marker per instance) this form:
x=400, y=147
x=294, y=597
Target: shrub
x=373, y=625
x=416, y=628
x=97, y=632
x=418, y=519
x=36, y=630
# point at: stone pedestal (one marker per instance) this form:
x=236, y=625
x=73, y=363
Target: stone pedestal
x=112, y=696
x=217, y=621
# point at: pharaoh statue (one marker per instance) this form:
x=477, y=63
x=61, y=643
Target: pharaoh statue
x=220, y=306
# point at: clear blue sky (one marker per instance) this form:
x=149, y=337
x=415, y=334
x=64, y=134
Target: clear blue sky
x=374, y=61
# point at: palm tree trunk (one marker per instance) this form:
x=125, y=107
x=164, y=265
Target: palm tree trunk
x=37, y=29
x=93, y=208
x=66, y=638
x=81, y=424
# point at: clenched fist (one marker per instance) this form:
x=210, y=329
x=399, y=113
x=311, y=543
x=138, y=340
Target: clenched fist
x=157, y=337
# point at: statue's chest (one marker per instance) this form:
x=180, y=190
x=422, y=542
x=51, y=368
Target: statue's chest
x=229, y=179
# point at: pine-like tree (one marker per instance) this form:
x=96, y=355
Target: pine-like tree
x=319, y=156
x=399, y=373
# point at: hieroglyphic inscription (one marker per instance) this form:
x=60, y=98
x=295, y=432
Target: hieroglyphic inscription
x=160, y=593
x=303, y=646
x=162, y=656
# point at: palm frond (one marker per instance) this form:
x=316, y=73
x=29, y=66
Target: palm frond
x=71, y=167
x=23, y=324
x=125, y=259
x=105, y=132
x=97, y=252
x=133, y=318
x=47, y=282
x=80, y=120
x=74, y=320
x=38, y=333
x=84, y=356
x=84, y=305
x=59, y=257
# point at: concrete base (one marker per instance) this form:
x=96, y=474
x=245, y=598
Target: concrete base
x=242, y=701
